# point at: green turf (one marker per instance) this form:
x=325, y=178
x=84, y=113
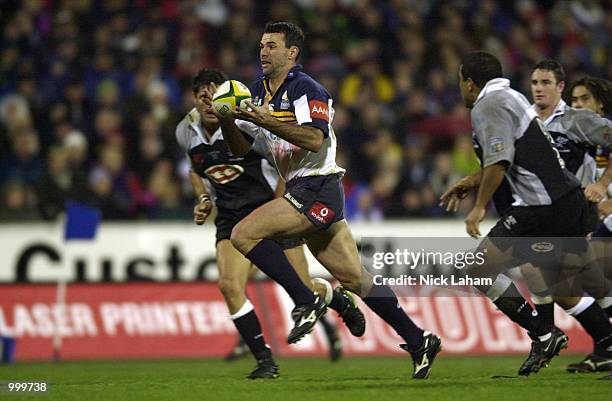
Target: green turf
x=379, y=379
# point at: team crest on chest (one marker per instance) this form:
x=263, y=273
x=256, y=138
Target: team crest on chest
x=224, y=173
x=284, y=105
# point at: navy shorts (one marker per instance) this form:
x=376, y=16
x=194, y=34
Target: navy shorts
x=227, y=218
x=319, y=198
x=592, y=217
x=529, y=229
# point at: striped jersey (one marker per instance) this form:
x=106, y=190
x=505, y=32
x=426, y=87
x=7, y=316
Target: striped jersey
x=299, y=100
x=506, y=128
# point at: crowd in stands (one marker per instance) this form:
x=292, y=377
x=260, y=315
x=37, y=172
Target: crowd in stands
x=91, y=91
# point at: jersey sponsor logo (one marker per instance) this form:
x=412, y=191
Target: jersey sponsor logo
x=224, y=173
x=318, y=109
x=321, y=213
x=542, y=247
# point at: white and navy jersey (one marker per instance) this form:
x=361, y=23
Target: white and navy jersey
x=577, y=134
x=299, y=100
x=238, y=182
x=506, y=128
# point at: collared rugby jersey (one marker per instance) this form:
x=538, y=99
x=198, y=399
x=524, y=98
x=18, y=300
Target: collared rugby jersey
x=506, y=128
x=577, y=134
x=238, y=181
x=299, y=100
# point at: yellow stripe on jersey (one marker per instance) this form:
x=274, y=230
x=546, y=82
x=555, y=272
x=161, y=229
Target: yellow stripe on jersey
x=282, y=113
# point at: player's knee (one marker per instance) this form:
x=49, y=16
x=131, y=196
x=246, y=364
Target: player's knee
x=238, y=238
x=230, y=288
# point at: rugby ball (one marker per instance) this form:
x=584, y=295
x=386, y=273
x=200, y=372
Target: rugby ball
x=229, y=95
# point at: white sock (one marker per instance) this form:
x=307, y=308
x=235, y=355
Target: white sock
x=581, y=306
x=329, y=291
x=244, y=309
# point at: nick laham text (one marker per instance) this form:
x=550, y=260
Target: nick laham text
x=430, y=279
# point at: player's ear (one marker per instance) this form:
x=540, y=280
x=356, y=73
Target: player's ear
x=561, y=86
x=293, y=53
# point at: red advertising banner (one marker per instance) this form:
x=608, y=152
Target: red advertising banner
x=155, y=320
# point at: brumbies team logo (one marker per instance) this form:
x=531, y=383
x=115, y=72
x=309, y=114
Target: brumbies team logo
x=224, y=173
x=285, y=101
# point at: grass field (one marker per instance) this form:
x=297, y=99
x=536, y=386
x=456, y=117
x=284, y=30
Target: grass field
x=380, y=379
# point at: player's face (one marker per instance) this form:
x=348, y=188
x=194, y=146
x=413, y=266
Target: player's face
x=466, y=87
x=545, y=89
x=273, y=53
x=205, y=110
x=582, y=98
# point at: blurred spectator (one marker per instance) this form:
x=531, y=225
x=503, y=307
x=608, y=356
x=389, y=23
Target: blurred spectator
x=59, y=184
x=114, y=77
x=23, y=163
x=16, y=202
x=117, y=190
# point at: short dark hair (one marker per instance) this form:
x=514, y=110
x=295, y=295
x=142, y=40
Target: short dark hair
x=481, y=67
x=600, y=88
x=294, y=36
x=207, y=76
x=553, y=66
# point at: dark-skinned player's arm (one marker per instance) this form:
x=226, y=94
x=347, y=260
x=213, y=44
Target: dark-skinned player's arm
x=493, y=127
x=458, y=191
x=491, y=178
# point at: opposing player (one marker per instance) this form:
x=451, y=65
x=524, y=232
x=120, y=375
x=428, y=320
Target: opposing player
x=290, y=121
x=595, y=94
x=241, y=183
x=511, y=143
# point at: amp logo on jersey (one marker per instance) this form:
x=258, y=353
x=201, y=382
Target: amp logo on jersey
x=224, y=173
x=321, y=213
x=319, y=109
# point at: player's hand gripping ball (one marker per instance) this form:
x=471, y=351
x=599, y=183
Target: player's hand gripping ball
x=229, y=95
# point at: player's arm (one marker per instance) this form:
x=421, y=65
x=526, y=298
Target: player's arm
x=491, y=178
x=235, y=140
x=595, y=130
x=597, y=191
x=280, y=188
x=459, y=190
x=304, y=136
x=202, y=208
x=493, y=126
